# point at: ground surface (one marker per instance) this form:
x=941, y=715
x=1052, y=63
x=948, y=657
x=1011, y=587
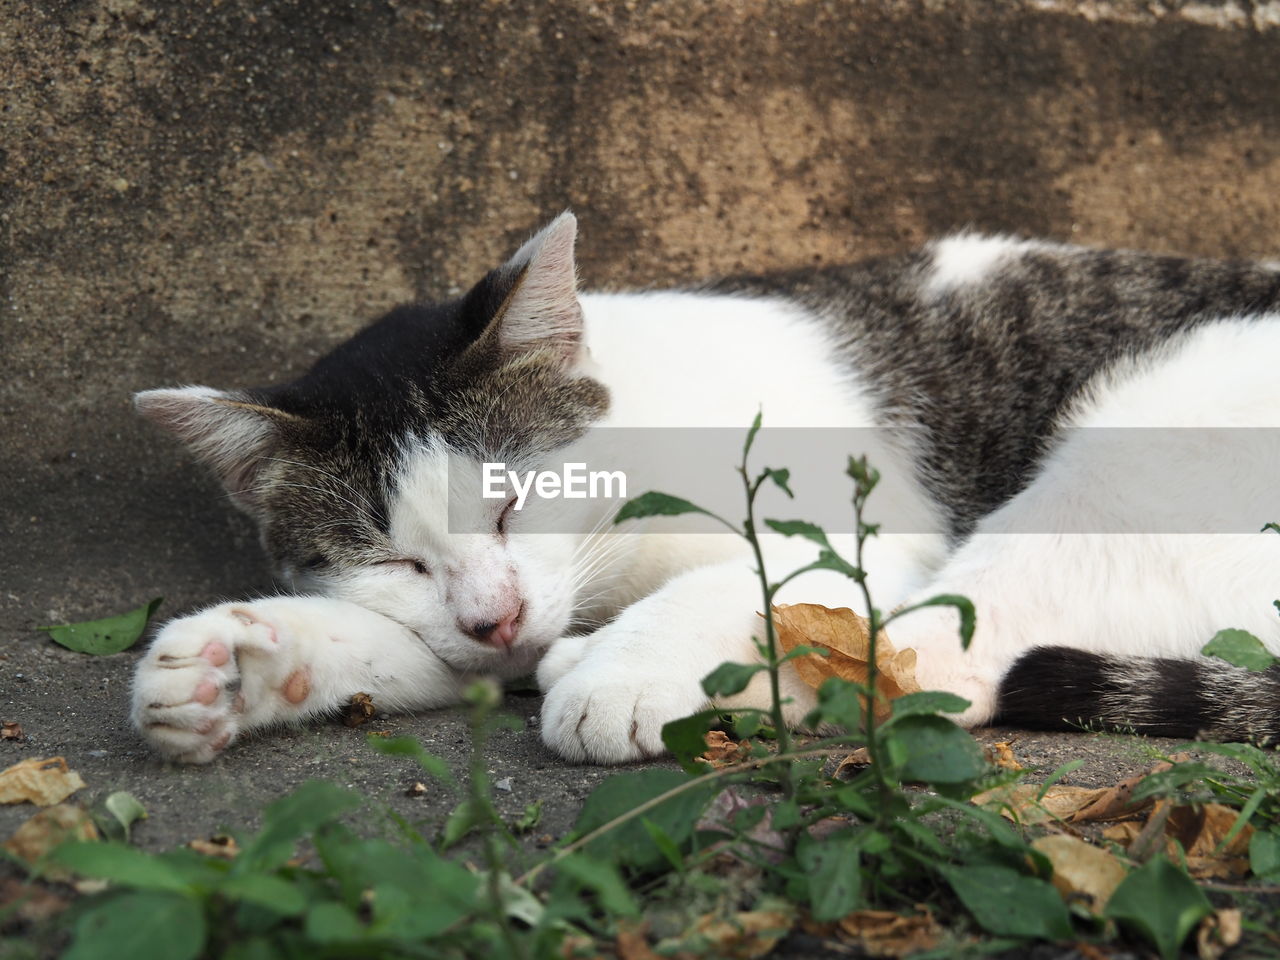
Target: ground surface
x=216, y=192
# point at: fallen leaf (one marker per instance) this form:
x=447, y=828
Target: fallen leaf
x=107, y=636
x=43, y=782
x=722, y=751
x=853, y=764
x=1218, y=933
x=743, y=936
x=1082, y=873
x=359, y=710
x=1192, y=834
x=11, y=730
x=1001, y=755
x=1202, y=827
x=48, y=828
x=633, y=944
x=28, y=902
x=220, y=845
x=1022, y=802
x=847, y=637
x=882, y=933
x=1116, y=803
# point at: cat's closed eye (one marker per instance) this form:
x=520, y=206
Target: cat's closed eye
x=316, y=561
x=412, y=563
x=501, y=525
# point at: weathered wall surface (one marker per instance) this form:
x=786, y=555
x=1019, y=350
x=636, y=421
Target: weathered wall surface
x=216, y=191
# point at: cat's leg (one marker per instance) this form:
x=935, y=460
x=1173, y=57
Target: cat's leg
x=609, y=694
x=209, y=677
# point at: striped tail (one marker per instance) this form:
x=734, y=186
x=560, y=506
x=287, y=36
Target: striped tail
x=1058, y=688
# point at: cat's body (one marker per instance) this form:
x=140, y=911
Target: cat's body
x=985, y=360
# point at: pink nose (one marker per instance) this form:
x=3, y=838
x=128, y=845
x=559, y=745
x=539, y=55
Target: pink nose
x=501, y=633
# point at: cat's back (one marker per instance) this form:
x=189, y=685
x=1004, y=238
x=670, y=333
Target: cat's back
x=982, y=343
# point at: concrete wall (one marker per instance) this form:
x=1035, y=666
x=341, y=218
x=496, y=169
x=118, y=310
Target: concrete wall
x=216, y=191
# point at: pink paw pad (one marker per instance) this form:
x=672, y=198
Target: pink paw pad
x=297, y=685
x=206, y=691
x=216, y=653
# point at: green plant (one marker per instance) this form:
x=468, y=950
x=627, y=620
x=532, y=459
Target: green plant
x=676, y=848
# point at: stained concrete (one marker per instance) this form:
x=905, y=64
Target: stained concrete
x=215, y=192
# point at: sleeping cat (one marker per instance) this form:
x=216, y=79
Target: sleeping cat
x=1024, y=394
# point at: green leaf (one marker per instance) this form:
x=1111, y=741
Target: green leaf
x=968, y=616
x=313, y=804
x=928, y=702
x=410, y=747
x=266, y=891
x=751, y=434
x=1270, y=526
x=1239, y=648
x=669, y=849
x=654, y=504
x=630, y=843
x=686, y=738
x=1264, y=855
x=333, y=923
x=462, y=820
x=126, y=866
x=936, y=750
x=1160, y=902
x=101, y=637
x=125, y=809
x=799, y=528
x=140, y=926
x=603, y=879
x=1008, y=903
x=529, y=819
x=840, y=702
x=781, y=477
x=730, y=678
x=833, y=869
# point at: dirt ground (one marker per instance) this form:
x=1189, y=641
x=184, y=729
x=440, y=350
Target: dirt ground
x=215, y=192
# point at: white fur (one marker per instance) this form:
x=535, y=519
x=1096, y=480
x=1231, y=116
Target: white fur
x=969, y=258
x=626, y=626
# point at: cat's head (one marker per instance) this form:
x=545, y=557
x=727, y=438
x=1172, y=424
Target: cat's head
x=347, y=470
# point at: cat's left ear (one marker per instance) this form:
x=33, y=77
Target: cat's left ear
x=541, y=310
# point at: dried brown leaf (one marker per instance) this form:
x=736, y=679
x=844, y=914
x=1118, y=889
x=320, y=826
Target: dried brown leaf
x=43, y=782
x=1082, y=873
x=1001, y=755
x=48, y=828
x=847, y=636
x=1114, y=803
x=1022, y=803
x=28, y=902
x=1202, y=827
x=632, y=943
x=1192, y=833
x=881, y=933
x=359, y=710
x=743, y=936
x=220, y=845
x=853, y=764
x=11, y=730
x=1218, y=933
x=722, y=751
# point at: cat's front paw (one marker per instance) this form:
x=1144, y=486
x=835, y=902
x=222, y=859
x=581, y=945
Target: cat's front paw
x=614, y=713
x=207, y=677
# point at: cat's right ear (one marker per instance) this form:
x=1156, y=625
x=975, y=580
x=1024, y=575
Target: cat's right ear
x=226, y=430
x=541, y=309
